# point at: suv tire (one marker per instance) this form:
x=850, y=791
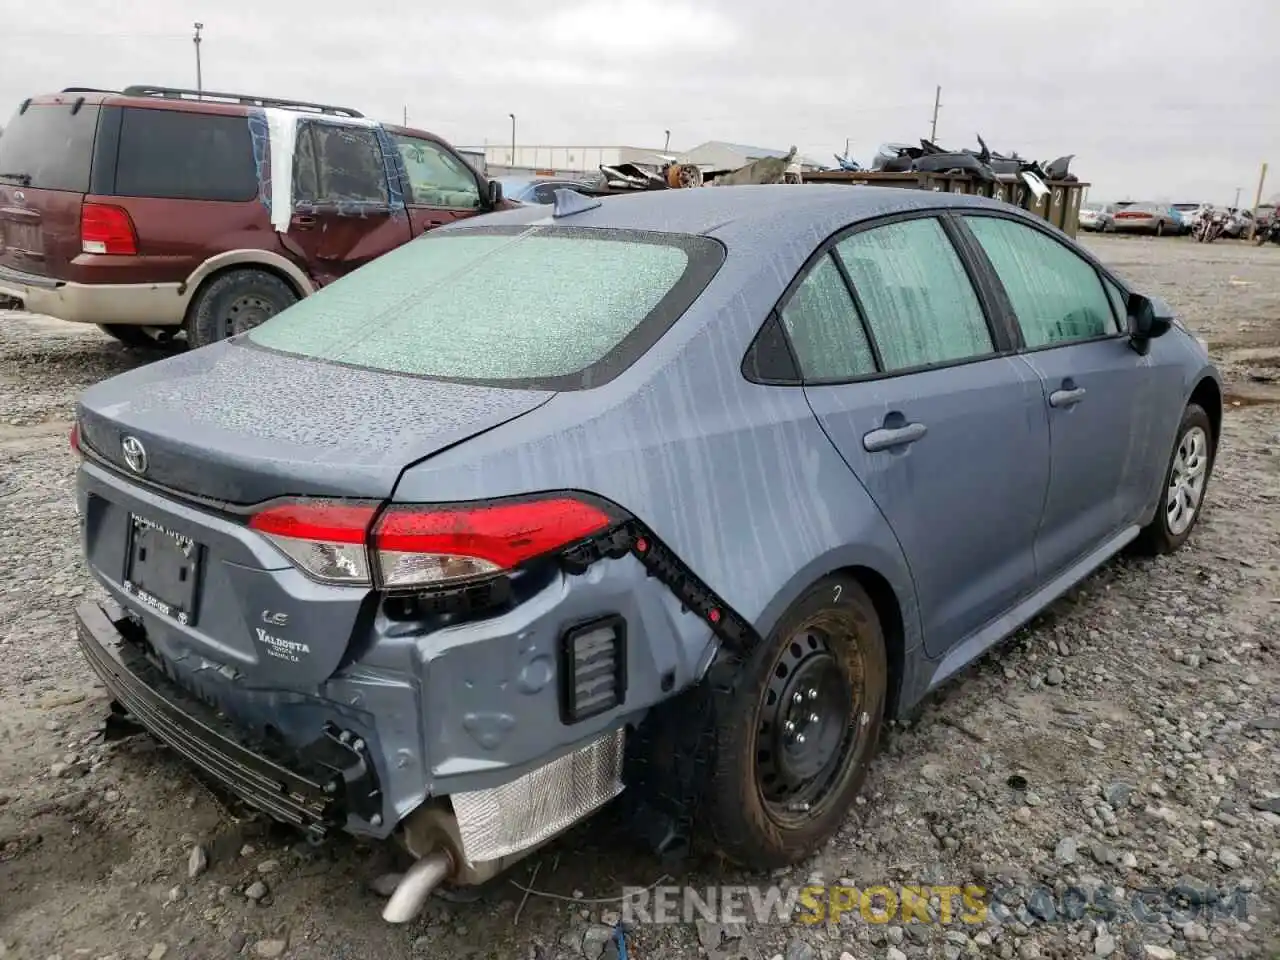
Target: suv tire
x=829, y=643
x=235, y=302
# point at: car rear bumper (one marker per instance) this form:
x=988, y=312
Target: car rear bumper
x=130, y=304
x=309, y=800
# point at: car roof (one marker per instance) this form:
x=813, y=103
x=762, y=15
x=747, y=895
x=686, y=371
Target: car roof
x=782, y=212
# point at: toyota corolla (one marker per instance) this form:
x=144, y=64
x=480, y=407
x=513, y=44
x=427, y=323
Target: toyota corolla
x=716, y=479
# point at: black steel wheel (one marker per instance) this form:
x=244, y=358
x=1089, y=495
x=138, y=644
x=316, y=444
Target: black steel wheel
x=794, y=739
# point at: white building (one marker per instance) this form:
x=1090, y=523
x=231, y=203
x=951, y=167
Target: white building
x=559, y=161
x=717, y=156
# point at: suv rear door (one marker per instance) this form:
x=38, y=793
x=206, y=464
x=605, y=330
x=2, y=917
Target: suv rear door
x=439, y=187
x=46, y=162
x=343, y=214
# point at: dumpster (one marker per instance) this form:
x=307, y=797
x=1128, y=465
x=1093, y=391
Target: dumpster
x=1061, y=206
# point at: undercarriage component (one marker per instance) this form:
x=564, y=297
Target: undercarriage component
x=417, y=885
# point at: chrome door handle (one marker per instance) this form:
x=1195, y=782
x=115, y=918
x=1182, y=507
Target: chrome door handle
x=888, y=438
x=1066, y=398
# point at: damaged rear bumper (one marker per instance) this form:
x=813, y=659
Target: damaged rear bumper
x=314, y=796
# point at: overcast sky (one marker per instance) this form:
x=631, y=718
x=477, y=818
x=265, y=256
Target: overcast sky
x=1173, y=99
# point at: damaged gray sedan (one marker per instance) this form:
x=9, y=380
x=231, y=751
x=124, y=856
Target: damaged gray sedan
x=677, y=497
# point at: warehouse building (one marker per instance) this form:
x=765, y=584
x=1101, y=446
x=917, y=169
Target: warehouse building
x=559, y=161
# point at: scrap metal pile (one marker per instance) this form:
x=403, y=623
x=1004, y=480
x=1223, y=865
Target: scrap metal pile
x=984, y=163
x=630, y=177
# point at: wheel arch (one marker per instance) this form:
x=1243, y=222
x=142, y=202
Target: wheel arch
x=888, y=583
x=1208, y=395
x=264, y=260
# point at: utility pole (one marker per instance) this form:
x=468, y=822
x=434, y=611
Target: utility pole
x=1257, y=202
x=513, y=138
x=196, y=41
x=937, y=102
x=1236, y=205
x=666, y=147
x=406, y=116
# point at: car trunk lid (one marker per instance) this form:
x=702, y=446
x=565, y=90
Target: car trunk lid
x=46, y=158
x=240, y=424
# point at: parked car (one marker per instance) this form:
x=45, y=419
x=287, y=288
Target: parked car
x=1098, y=217
x=1156, y=218
x=152, y=211
x=1265, y=213
x=447, y=552
x=539, y=191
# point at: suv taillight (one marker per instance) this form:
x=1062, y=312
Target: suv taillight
x=424, y=546
x=107, y=229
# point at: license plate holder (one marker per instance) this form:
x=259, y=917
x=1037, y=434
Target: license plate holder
x=23, y=237
x=162, y=569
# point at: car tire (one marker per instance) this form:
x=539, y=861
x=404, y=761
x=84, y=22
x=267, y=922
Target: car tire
x=1160, y=229
x=1194, y=452
x=140, y=338
x=829, y=649
x=234, y=302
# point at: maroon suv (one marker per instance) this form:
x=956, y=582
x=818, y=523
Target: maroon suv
x=154, y=211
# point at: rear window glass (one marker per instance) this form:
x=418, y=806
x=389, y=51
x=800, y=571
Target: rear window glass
x=185, y=156
x=49, y=147
x=552, y=307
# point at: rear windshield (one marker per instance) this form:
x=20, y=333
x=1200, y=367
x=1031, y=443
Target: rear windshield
x=544, y=307
x=49, y=147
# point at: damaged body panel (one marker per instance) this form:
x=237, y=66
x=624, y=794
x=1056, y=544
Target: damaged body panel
x=593, y=509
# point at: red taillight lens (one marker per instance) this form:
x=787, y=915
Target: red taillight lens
x=1133, y=215
x=326, y=539
x=417, y=546
x=423, y=546
x=75, y=437
x=107, y=229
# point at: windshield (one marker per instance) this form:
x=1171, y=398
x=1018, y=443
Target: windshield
x=546, y=307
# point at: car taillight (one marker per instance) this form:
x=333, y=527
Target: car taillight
x=75, y=437
x=1133, y=215
x=107, y=229
x=328, y=540
x=425, y=546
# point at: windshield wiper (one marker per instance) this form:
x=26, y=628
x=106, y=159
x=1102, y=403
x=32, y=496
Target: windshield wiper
x=22, y=178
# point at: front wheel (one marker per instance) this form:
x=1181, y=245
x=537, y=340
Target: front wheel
x=1185, y=481
x=795, y=737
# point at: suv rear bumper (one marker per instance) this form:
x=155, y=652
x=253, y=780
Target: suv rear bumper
x=130, y=304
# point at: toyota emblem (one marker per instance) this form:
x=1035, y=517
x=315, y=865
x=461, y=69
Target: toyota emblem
x=135, y=454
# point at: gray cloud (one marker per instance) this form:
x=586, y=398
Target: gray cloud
x=1125, y=86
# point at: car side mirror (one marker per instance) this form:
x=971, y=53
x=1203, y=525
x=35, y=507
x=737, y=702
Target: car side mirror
x=1149, y=317
x=495, y=194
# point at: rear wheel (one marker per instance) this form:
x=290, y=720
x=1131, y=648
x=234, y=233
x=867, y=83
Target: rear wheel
x=234, y=303
x=1160, y=228
x=795, y=738
x=1185, y=482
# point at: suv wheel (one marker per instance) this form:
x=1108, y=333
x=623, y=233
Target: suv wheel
x=234, y=303
x=795, y=738
x=1185, y=481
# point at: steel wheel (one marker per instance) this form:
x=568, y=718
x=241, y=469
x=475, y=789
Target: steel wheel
x=1187, y=481
x=247, y=312
x=807, y=723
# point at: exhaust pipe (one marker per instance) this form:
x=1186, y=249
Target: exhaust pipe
x=417, y=885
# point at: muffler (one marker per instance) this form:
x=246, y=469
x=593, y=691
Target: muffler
x=417, y=885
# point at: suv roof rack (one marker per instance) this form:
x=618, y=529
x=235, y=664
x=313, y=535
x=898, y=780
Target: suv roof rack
x=86, y=90
x=178, y=93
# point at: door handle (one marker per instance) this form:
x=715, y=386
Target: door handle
x=303, y=222
x=889, y=437
x=1066, y=398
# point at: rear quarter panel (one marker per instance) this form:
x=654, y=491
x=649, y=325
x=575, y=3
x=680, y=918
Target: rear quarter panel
x=737, y=478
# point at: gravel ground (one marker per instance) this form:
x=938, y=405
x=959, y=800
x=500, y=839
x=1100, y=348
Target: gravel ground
x=1127, y=739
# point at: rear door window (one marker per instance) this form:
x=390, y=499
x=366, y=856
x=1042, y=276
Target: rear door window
x=336, y=164
x=49, y=147
x=916, y=295
x=826, y=334
x=558, y=307
x=180, y=155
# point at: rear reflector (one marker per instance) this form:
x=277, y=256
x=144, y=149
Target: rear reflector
x=107, y=229
x=593, y=668
x=418, y=546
